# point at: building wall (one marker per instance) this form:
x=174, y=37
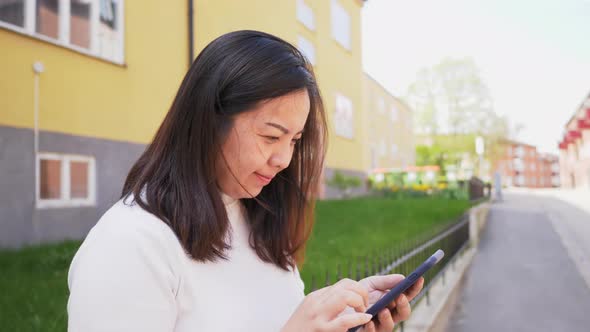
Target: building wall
x=575, y=149
x=89, y=106
x=522, y=166
x=21, y=223
x=338, y=69
x=87, y=96
x=389, y=139
x=109, y=110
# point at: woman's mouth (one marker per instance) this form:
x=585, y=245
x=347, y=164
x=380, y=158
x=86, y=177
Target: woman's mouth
x=263, y=179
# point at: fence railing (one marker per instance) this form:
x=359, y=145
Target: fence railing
x=404, y=258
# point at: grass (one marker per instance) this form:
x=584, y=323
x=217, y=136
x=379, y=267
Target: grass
x=347, y=229
x=33, y=280
x=34, y=287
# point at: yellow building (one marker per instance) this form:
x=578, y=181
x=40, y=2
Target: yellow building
x=328, y=32
x=389, y=128
x=84, y=85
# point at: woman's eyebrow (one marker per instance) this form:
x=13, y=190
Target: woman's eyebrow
x=281, y=128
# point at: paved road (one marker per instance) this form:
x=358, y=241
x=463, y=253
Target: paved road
x=523, y=278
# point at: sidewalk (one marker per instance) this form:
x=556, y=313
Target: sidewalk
x=522, y=278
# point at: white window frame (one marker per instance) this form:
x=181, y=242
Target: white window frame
x=344, y=127
x=65, y=186
x=307, y=48
x=305, y=15
x=394, y=113
x=63, y=39
x=341, y=25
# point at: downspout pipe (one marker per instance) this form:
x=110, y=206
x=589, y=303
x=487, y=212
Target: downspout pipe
x=190, y=33
x=38, y=69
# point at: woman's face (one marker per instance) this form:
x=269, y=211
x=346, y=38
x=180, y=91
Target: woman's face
x=261, y=144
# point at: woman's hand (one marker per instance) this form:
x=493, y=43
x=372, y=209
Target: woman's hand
x=397, y=311
x=322, y=310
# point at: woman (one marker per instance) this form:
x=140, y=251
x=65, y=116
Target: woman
x=215, y=214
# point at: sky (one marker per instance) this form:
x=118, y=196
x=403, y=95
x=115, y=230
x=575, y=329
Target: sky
x=533, y=55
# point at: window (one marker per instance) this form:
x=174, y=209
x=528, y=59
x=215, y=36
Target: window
x=80, y=23
x=50, y=178
x=394, y=150
x=381, y=105
x=520, y=180
x=394, y=113
x=382, y=148
x=65, y=180
x=518, y=164
x=110, y=26
x=13, y=12
x=340, y=24
x=343, y=119
x=305, y=15
x=47, y=19
x=93, y=27
x=307, y=48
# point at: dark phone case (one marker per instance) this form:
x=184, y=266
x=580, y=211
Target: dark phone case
x=403, y=285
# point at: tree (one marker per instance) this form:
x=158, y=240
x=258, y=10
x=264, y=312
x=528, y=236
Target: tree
x=422, y=96
x=452, y=104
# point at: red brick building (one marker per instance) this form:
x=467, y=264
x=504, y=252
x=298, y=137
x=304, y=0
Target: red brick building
x=574, y=148
x=521, y=165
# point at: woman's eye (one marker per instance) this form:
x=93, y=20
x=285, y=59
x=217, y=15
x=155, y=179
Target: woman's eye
x=271, y=138
x=295, y=140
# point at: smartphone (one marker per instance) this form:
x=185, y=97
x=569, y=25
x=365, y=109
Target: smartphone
x=403, y=285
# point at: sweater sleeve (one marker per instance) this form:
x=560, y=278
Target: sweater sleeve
x=125, y=276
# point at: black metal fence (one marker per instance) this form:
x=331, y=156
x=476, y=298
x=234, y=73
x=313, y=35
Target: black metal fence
x=403, y=258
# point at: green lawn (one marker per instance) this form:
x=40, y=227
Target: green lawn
x=34, y=288
x=33, y=280
x=347, y=229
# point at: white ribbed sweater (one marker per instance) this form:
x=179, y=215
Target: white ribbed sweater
x=132, y=274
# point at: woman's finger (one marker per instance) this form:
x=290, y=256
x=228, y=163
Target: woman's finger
x=354, y=286
x=348, y=321
x=413, y=291
x=370, y=327
x=402, y=310
x=382, y=283
x=385, y=321
x=340, y=299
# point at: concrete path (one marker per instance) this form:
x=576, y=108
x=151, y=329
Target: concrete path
x=523, y=278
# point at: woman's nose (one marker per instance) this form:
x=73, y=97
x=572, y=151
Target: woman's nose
x=281, y=157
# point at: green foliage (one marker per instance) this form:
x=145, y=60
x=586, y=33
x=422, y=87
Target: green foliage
x=445, y=150
x=343, y=183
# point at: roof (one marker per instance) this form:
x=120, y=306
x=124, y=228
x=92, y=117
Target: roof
x=583, y=105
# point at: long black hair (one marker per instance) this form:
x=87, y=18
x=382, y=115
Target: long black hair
x=174, y=179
